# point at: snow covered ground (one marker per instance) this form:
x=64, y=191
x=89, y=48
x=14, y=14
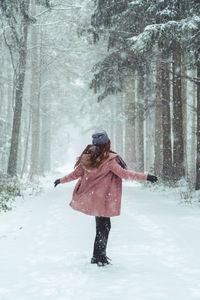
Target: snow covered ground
x=45, y=249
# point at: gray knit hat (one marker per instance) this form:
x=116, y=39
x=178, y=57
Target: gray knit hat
x=100, y=138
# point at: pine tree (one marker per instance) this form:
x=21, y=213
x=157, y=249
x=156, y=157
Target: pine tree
x=164, y=27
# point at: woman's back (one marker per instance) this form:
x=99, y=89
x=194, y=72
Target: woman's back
x=99, y=188
x=98, y=191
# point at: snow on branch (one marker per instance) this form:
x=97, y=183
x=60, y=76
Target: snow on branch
x=178, y=31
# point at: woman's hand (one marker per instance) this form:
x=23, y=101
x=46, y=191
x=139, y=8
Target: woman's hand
x=56, y=182
x=152, y=178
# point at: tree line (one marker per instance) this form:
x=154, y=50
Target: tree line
x=153, y=62
x=146, y=78
x=40, y=57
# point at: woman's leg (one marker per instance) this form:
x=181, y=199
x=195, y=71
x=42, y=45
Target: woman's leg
x=103, y=227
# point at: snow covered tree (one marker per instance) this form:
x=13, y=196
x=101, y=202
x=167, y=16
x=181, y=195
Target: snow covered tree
x=119, y=67
x=137, y=31
x=197, y=186
x=130, y=122
x=35, y=98
x=172, y=18
x=16, y=20
x=16, y=17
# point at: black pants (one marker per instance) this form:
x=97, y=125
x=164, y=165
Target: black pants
x=103, y=226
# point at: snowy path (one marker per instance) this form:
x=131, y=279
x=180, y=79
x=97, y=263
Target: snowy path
x=45, y=249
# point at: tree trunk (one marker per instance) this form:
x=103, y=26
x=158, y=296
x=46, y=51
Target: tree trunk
x=167, y=170
x=112, y=128
x=35, y=100
x=26, y=146
x=158, y=145
x=193, y=120
x=130, y=155
x=197, y=186
x=178, y=146
x=2, y=108
x=9, y=115
x=20, y=76
x=148, y=117
x=45, y=153
x=140, y=122
x=185, y=118
x=119, y=124
x=2, y=60
x=35, y=126
x=45, y=142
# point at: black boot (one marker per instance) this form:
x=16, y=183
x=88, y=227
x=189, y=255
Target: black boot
x=94, y=260
x=101, y=261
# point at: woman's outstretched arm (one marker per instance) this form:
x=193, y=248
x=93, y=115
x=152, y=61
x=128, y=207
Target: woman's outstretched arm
x=126, y=174
x=78, y=172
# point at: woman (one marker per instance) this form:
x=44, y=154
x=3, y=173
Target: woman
x=99, y=188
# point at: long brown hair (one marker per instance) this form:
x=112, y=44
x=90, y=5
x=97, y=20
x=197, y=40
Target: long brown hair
x=97, y=155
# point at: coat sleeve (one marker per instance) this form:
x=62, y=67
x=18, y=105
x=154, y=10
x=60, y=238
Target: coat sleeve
x=78, y=172
x=126, y=174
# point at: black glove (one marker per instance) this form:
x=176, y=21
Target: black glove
x=152, y=178
x=56, y=182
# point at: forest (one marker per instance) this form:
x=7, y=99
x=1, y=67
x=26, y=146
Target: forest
x=129, y=67
x=74, y=73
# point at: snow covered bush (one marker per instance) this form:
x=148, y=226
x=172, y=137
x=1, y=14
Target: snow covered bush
x=9, y=189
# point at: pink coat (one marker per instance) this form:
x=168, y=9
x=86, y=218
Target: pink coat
x=98, y=192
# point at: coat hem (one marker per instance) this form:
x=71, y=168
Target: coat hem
x=96, y=215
